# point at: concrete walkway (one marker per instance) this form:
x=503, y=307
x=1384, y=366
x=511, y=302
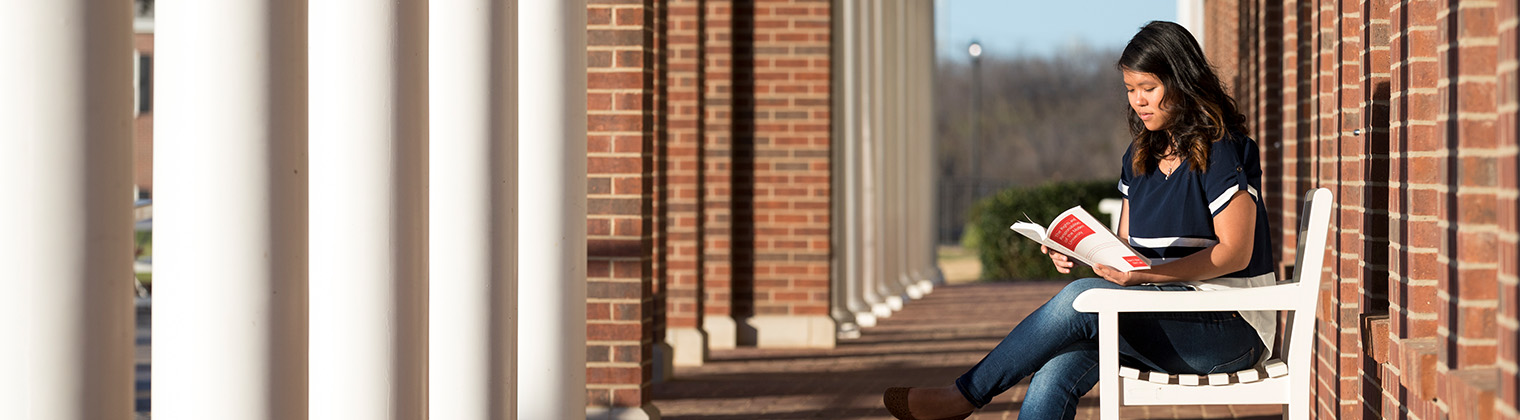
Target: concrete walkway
x=929, y=343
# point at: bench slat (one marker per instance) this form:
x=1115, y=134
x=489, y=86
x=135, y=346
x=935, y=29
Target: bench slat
x=1271, y=369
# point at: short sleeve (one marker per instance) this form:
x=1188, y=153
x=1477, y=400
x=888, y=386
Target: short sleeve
x=1126, y=173
x=1233, y=167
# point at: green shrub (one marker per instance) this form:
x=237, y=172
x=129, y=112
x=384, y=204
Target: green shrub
x=1007, y=255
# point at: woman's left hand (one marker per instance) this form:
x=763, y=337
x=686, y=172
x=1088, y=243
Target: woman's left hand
x=1121, y=278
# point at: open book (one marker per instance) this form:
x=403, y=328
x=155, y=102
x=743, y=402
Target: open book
x=1077, y=234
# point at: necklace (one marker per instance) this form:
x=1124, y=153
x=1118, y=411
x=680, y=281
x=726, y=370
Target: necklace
x=1168, y=165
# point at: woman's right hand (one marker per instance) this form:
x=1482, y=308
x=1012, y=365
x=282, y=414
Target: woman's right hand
x=1061, y=261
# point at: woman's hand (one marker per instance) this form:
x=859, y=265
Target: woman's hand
x=1121, y=278
x=1061, y=261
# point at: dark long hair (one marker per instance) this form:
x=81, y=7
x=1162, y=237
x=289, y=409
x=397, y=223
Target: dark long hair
x=1201, y=111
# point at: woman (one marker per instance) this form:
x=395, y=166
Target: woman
x=1190, y=182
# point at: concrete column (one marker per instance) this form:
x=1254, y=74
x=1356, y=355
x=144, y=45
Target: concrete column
x=885, y=296
x=908, y=273
x=850, y=296
x=230, y=240
x=860, y=143
x=70, y=143
x=929, y=159
x=368, y=150
x=551, y=81
x=472, y=241
x=1190, y=16
x=880, y=136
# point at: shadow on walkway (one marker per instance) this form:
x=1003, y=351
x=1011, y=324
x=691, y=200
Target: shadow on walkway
x=929, y=343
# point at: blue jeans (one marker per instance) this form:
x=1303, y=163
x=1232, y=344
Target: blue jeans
x=1059, y=346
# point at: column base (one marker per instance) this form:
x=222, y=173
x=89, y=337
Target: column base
x=865, y=319
x=926, y=286
x=895, y=303
x=661, y=363
x=722, y=332
x=882, y=310
x=911, y=289
x=688, y=346
x=846, y=330
x=646, y=412
x=773, y=331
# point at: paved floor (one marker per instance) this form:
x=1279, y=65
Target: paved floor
x=929, y=343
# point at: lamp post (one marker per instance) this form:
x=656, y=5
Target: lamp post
x=975, y=49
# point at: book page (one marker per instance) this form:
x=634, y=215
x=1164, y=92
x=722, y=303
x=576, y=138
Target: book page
x=1094, y=244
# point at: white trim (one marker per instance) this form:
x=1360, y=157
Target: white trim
x=1223, y=198
x=1165, y=242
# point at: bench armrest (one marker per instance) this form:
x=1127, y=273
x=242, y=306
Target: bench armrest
x=1280, y=297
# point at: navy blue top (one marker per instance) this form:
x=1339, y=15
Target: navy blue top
x=1171, y=217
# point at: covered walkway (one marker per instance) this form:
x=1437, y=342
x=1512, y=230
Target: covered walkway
x=928, y=343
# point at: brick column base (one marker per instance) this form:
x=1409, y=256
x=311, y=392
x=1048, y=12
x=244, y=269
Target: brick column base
x=783, y=331
x=688, y=346
x=722, y=332
x=662, y=362
x=647, y=412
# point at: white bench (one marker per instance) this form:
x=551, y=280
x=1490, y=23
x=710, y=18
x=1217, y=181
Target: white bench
x=1274, y=382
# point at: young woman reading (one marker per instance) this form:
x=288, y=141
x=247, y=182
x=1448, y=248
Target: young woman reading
x=1189, y=182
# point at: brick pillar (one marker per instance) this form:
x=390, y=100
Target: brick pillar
x=1414, y=236
x=1376, y=219
x=782, y=169
x=1508, y=92
x=1470, y=110
x=716, y=178
x=683, y=241
x=1223, y=45
x=620, y=140
x=1349, y=180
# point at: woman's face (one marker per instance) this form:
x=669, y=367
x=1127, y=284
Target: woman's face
x=1145, y=93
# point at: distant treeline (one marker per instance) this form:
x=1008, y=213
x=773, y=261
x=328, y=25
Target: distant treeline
x=1042, y=118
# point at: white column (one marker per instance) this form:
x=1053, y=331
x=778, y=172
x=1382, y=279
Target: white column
x=888, y=295
x=70, y=141
x=909, y=274
x=1190, y=16
x=551, y=81
x=929, y=158
x=230, y=325
x=891, y=286
x=471, y=219
x=847, y=146
x=368, y=209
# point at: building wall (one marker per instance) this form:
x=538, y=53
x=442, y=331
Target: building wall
x=708, y=147
x=1406, y=110
x=621, y=138
x=781, y=171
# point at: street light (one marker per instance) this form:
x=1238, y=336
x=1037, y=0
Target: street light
x=975, y=49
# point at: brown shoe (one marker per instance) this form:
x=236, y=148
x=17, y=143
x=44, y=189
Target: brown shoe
x=896, y=399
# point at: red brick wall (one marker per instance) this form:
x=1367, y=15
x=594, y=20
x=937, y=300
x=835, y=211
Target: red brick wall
x=1406, y=109
x=683, y=148
x=717, y=161
x=1221, y=41
x=782, y=153
x=620, y=146
x=1507, y=90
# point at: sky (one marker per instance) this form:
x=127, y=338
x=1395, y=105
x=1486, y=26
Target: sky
x=1043, y=27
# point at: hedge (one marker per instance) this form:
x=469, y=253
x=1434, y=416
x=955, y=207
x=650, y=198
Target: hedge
x=1007, y=255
